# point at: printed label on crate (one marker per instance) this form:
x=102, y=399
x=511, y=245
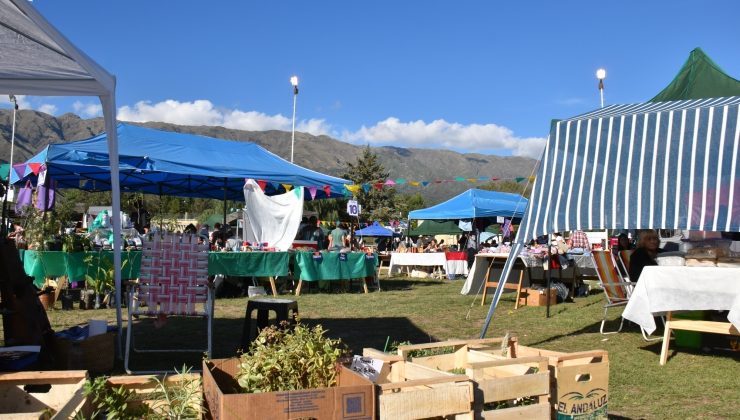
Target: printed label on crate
x=578, y=406
x=367, y=367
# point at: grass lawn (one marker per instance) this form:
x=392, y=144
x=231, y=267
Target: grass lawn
x=691, y=385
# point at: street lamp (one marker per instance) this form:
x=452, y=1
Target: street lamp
x=601, y=75
x=294, y=82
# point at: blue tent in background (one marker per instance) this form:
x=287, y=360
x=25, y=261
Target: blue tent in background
x=374, y=230
x=179, y=164
x=474, y=203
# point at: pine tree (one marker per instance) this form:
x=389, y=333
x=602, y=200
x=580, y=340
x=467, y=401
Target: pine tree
x=377, y=204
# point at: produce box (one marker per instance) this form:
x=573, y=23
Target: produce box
x=406, y=390
x=353, y=397
x=41, y=395
x=537, y=297
x=499, y=380
x=96, y=353
x=579, y=384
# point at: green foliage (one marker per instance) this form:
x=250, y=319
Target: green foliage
x=179, y=401
x=404, y=203
x=100, y=275
x=290, y=358
x=110, y=402
x=523, y=188
x=39, y=227
x=377, y=204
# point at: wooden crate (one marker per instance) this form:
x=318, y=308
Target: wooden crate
x=537, y=297
x=41, y=395
x=407, y=391
x=579, y=381
x=145, y=385
x=95, y=354
x=497, y=378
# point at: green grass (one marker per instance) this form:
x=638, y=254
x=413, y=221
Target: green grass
x=691, y=385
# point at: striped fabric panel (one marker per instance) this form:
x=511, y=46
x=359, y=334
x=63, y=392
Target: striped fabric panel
x=625, y=257
x=671, y=165
x=608, y=276
x=174, y=276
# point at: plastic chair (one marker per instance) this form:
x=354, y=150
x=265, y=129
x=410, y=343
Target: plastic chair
x=173, y=281
x=616, y=290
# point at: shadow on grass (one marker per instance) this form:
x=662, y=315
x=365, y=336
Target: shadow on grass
x=181, y=333
x=408, y=283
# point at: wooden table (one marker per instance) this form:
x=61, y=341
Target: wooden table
x=666, y=289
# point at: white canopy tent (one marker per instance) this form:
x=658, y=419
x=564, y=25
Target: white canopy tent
x=38, y=60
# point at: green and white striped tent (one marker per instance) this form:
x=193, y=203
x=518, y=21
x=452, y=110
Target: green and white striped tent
x=671, y=165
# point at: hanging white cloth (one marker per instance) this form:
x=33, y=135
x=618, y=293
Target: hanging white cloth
x=272, y=219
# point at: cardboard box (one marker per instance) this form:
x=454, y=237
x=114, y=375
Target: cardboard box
x=353, y=398
x=96, y=353
x=536, y=297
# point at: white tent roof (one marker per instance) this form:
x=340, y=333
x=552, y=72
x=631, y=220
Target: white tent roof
x=36, y=59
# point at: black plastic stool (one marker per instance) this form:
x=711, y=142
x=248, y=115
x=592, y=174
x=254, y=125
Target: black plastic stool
x=281, y=307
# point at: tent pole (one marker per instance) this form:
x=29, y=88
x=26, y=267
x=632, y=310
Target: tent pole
x=161, y=210
x=4, y=227
x=225, y=201
x=549, y=278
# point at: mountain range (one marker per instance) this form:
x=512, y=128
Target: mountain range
x=35, y=130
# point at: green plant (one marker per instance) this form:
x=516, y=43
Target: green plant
x=290, y=358
x=39, y=227
x=181, y=400
x=100, y=272
x=109, y=402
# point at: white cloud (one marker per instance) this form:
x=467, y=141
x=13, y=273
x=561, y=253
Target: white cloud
x=203, y=112
x=446, y=135
x=48, y=109
x=87, y=110
x=484, y=138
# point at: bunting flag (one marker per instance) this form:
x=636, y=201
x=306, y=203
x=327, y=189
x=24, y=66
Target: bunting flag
x=389, y=182
x=472, y=180
x=400, y=181
x=366, y=187
x=414, y=183
x=35, y=167
x=287, y=187
x=532, y=178
x=459, y=179
x=493, y=178
x=378, y=185
x=482, y=178
x=327, y=190
x=297, y=192
x=312, y=192
x=424, y=183
x=520, y=179
x=262, y=184
x=354, y=189
x=20, y=169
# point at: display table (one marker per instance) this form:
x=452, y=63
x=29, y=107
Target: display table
x=664, y=289
x=410, y=259
x=248, y=264
x=44, y=264
x=333, y=266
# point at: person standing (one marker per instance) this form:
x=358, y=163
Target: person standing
x=337, y=238
x=472, y=249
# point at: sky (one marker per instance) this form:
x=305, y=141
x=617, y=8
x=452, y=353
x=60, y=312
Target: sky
x=471, y=76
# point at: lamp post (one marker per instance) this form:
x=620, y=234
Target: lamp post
x=294, y=82
x=601, y=75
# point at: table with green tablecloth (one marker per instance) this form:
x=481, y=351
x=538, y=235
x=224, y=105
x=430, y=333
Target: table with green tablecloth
x=43, y=264
x=244, y=264
x=333, y=266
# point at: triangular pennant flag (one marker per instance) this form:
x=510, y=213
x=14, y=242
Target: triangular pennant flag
x=519, y=179
x=275, y=185
x=262, y=184
x=424, y=183
x=532, y=178
x=287, y=187
x=390, y=182
x=366, y=187
x=20, y=169
x=327, y=190
x=437, y=181
x=312, y=191
x=414, y=183
x=378, y=185
x=400, y=181
x=354, y=189
x=297, y=191
x=35, y=168
x=493, y=178
x=482, y=178
x=472, y=180
x=459, y=179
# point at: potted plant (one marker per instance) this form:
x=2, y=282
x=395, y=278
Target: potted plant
x=100, y=278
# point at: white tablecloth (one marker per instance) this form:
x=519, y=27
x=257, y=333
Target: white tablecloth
x=662, y=289
x=456, y=267
x=428, y=259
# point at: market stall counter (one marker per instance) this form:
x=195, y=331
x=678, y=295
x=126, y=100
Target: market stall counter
x=246, y=264
x=51, y=264
x=321, y=266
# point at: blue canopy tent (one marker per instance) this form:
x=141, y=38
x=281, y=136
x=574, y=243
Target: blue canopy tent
x=667, y=165
x=170, y=163
x=474, y=203
x=374, y=230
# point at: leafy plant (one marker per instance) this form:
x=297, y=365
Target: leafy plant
x=290, y=358
x=181, y=400
x=110, y=402
x=102, y=277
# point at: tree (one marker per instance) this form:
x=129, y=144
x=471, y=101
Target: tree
x=522, y=188
x=408, y=202
x=377, y=203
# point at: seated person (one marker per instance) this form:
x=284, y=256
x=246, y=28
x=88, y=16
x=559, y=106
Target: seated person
x=432, y=246
x=624, y=243
x=645, y=254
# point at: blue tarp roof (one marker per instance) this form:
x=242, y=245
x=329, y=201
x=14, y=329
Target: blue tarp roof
x=170, y=163
x=374, y=230
x=475, y=203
